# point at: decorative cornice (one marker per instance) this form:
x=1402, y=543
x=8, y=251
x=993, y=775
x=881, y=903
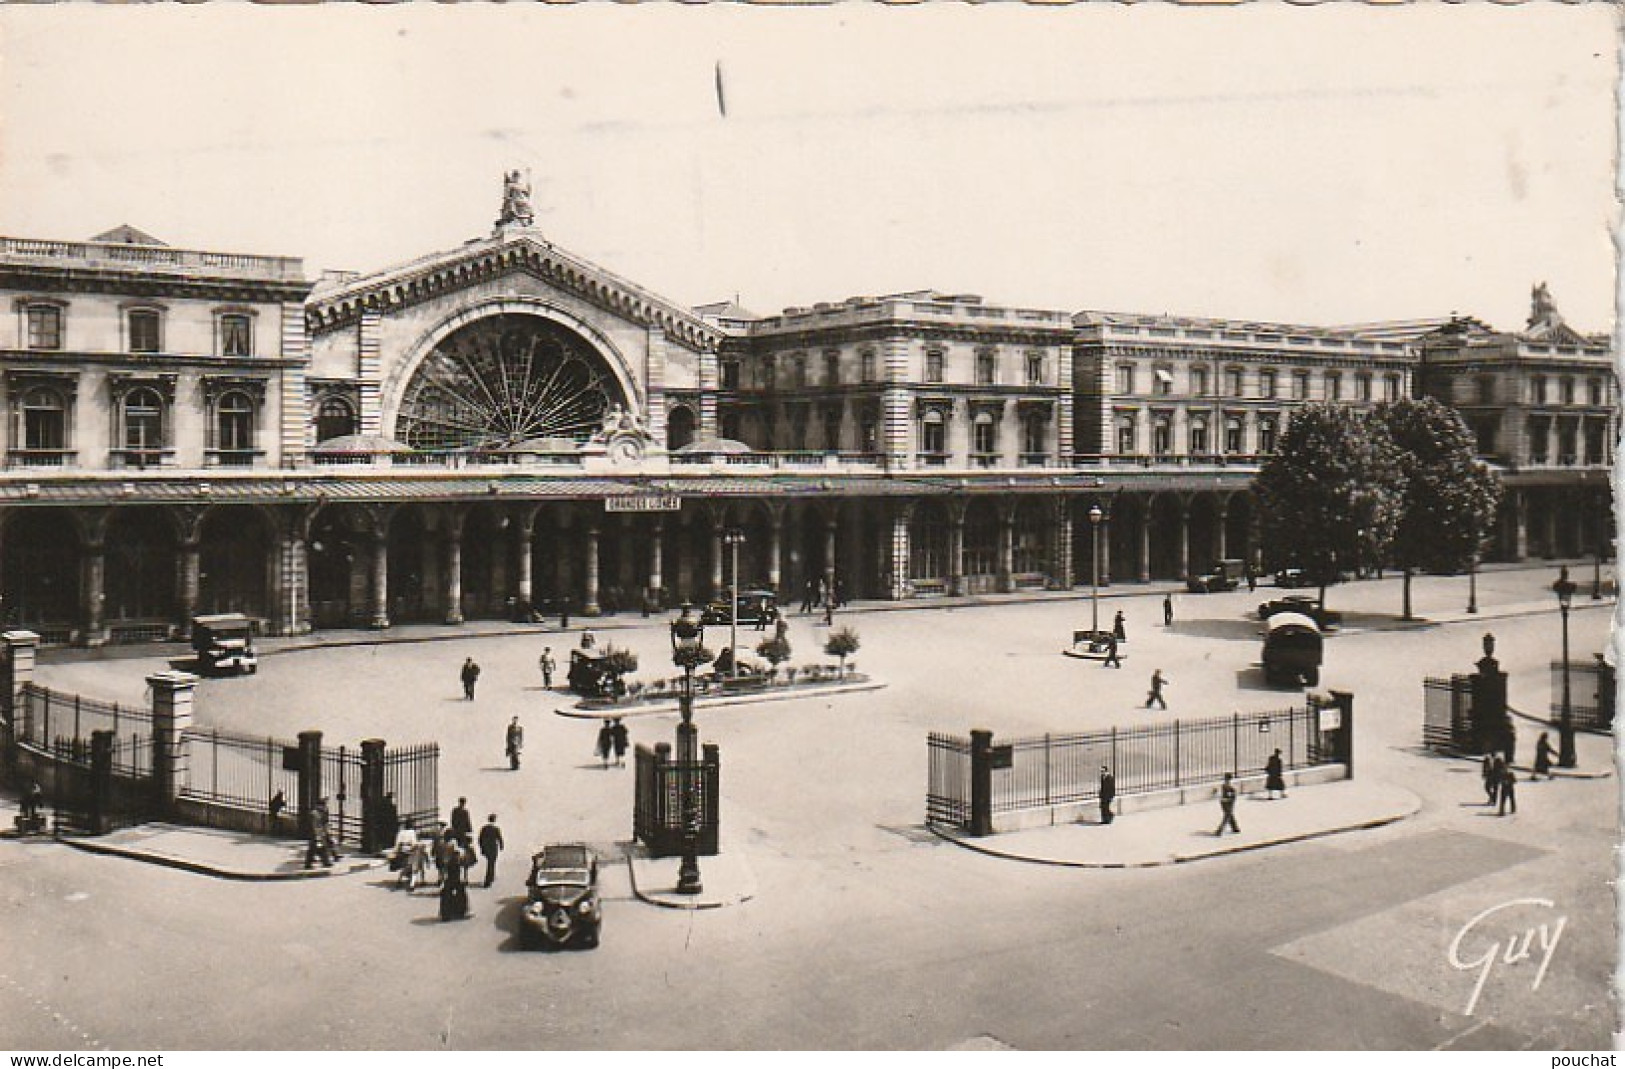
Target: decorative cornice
x=506, y=254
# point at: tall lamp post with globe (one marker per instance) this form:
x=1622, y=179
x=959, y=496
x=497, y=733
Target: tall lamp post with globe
x=688, y=653
x=1095, y=516
x=1564, y=589
x=732, y=538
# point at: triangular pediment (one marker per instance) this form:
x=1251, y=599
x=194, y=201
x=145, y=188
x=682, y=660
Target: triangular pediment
x=1558, y=333
x=507, y=251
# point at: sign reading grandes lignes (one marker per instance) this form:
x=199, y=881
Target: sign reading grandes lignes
x=644, y=503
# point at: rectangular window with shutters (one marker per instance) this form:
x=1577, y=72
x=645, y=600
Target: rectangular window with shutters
x=236, y=335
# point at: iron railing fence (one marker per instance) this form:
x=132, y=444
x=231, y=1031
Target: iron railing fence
x=1592, y=694
x=1447, y=714
x=1044, y=771
x=238, y=770
x=947, y=796
x=49, y=714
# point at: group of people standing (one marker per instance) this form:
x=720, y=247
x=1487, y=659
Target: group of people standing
x=453, y=854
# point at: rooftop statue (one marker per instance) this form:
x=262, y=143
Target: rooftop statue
x=515, y=201
x=1542, y=309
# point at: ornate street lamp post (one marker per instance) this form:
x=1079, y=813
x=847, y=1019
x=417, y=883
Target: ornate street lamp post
x=1094, y=572
x=1565, y=728
x=732, y=537
x=687, y=653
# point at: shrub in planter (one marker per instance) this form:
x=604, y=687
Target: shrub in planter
x=842, y=643
x=775, y=650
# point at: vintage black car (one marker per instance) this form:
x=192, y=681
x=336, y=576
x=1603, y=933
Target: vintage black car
x=564, y=908
x=755, y=606
x=1225, y=575
x=590, y=674
x=1292, y=578
x=224, y=643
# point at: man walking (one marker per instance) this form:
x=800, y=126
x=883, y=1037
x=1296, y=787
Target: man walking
x=471, y=676
x=1108, y=794
x=1158, y=681
x=490, y=846
x=1167, y=610
x=617, y=734
x=1227, y=807
x=1112, y=660
x=1509, y=792
x=462, y=826
x=1119, y=628
x=514, y=742
x=547, y=665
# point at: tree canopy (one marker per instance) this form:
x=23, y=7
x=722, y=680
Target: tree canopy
x=1450, y=499
x=1331, y=496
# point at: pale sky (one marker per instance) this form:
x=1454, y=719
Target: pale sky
x=1309, y=164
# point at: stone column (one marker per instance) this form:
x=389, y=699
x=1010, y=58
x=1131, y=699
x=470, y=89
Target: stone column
x=716, y=562
x=657, y=579
x=589, y=601
x=956, y=551
x=829, y=557
x=1223, y=540
x=1106, y=550
x=291, y=584
x=1060, y=577
x=453, y=591
x=171, y=717
x=95, y=593
x=1007, y=552
x=380, y=581
x=1145, y=544
x=187, y=594
x=774, y=533
x=524, y=526
x=900, y=586
x=1184, y=541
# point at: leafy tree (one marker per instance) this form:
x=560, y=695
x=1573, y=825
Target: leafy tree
x=619, y=663
x=1450, y=498
x=775, y=650
x=692, y=657
x=1330, y=498
x=842, y=643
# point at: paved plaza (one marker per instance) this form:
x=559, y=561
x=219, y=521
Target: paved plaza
x=860, y=927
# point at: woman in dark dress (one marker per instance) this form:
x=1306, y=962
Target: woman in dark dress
x=1274, y=776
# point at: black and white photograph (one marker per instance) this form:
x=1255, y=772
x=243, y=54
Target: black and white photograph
x=732, y=527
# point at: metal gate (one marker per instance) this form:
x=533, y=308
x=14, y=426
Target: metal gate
x=1447, y=714
x=947, y=795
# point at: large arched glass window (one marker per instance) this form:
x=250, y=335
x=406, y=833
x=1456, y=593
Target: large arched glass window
x=335, y=418
x=1232, y=434
x=143, y=426
x=1162, y=439
x=234, y=421
x=1266, y=434
x=45, y=419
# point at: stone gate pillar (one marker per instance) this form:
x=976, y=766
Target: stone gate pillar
x=172, y=693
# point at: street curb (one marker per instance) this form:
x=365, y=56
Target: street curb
x=1606, y=772
x=1177, y=859
x=667, y=900
x=756, y=698
x=203, y=869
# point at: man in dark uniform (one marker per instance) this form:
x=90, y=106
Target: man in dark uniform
x=1108, y=793
x=1112, y=660
x=1227, y=806
x=470, y=676
x=1158, y=680
x=490, y=846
